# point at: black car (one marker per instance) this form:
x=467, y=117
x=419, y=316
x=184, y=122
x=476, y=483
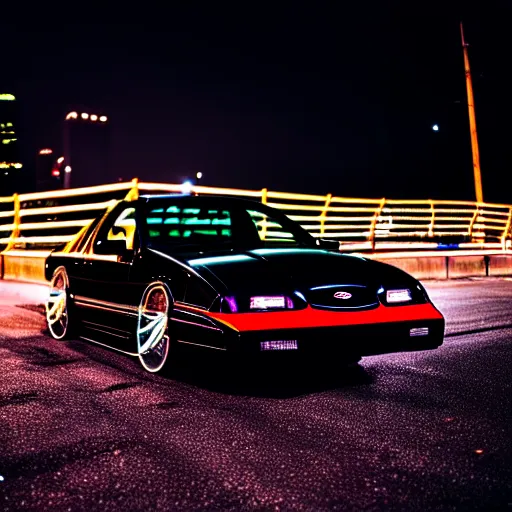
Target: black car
x=233, y=275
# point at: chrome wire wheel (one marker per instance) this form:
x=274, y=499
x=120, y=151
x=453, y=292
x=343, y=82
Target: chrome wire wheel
x=57, y=307
x=153, y=327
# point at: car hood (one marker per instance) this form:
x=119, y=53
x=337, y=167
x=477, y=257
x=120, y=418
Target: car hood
x=278, y=270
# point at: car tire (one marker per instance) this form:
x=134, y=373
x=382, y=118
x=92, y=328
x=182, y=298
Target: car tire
x=153, y=340
x=60, y=312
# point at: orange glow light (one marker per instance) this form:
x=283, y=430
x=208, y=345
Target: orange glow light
x=46, y=151
x=84, y=115
x=94, y=117
x=60, y=160
x=103, y=119
x=72, y=115
x=55, y=172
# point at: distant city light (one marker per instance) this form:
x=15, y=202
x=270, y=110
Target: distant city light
x=72, y=115
x=84, y=115
x=103, y=119
x=186, y=187
x=46, y=151
x=8, y=141
x=435, y=128
x=94, y=117
x=7, y=97
x=199, y=175
x=60, y=160
x=55, y=172
x=8, y=165
x=67, y=168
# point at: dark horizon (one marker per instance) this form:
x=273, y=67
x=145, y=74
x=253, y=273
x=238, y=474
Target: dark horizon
x=291, y=100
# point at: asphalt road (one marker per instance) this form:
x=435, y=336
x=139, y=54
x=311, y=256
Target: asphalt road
x=84, y=428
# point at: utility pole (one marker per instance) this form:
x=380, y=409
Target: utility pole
x=472, y=123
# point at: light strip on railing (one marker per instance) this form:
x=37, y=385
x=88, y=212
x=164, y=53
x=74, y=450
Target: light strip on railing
x=396, y=218
x=440, y=218
x=44, y=239
x=7, y=227
x=160, y=187
x=402, y=211
x=85, y=191
x=296, y=207
x=338, y=235
x=68, y=208
x=363, y=218
x=490, y=220
x=348, y=200
x=226, y=191
x=56, y=224
x=296, y=197
x=399, y=218
x=346, y=226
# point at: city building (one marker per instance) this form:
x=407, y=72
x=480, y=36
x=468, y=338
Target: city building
x=10, y=155
x=86, y=149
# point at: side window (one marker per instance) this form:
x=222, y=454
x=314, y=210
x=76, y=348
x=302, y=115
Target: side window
x=174, y=223
x=122, y=227
x=270, y=231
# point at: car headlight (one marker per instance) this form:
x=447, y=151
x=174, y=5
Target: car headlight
x=246, y=303
x=394, y=296
x=270, y=302
x=400, y=295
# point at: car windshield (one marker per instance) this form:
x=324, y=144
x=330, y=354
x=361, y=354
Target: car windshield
x=204, y=223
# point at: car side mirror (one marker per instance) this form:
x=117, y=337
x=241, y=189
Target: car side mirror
x=328, y=244
x=111, y=247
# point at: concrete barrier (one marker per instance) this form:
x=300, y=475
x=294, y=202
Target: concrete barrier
x=24, y=267
x=466, y=266
x=431, y=267
x=29, y=265
x=452, y=264
x=500, y=265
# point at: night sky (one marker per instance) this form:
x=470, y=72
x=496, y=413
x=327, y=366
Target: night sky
x=325, y=98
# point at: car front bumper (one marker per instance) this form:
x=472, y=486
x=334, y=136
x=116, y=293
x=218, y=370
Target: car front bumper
x=360, y=340
x=362, y=333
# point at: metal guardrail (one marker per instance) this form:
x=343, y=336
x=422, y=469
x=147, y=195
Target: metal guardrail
x=44, y=220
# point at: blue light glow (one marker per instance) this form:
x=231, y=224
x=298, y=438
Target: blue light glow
x=301, y=296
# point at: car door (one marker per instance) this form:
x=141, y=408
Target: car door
x=109, y=301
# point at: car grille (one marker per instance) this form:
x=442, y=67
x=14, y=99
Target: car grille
x=343, y=297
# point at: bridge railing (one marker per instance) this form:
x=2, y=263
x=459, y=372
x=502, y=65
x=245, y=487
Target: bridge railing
x=44, y=220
